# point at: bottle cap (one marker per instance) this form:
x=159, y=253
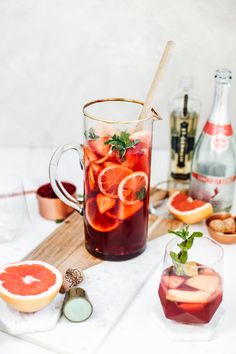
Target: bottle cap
x=223, y=76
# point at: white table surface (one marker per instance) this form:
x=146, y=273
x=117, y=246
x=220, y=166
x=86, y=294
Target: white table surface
x=135, y=330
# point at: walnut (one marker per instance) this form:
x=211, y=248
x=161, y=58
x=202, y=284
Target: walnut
x=217, y=225
x=229, y=225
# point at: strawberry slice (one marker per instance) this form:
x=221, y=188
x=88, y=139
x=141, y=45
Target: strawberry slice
x=91, y=178
x=93, y=172
x=96, y=169
x=122, y=211
x=198, y=296
x=192, y=308
x=136, y=158
x=104, y=203
x=89, y=156
x=172, y=281
x=98, y=146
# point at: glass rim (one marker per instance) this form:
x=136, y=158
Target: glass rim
x=219, y=259
x=117, y=99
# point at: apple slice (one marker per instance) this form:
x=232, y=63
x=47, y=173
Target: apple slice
x=208, y=283
x=198, y=296
x=172, y=281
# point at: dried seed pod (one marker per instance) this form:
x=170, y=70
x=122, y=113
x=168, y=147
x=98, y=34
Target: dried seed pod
x=72, y=278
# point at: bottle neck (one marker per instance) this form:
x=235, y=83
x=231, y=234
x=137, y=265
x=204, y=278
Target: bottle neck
x=219, y=114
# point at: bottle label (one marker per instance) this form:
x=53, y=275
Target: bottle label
x=216, y=129
x=218, y=191
x=220, y=135
x=182, y=143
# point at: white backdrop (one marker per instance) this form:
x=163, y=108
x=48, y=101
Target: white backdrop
x=57, y=54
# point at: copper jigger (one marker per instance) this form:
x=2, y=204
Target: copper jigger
x=50, y=206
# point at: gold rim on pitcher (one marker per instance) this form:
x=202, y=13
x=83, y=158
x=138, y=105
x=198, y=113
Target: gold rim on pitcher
x=155, y=115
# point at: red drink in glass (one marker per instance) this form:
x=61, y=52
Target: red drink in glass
x=190, y=299
x=116, y=197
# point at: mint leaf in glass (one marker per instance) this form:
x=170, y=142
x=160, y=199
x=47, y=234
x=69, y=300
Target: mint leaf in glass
x=141, y=194
x=185, y=245
x=91, y=134
x=121, y=143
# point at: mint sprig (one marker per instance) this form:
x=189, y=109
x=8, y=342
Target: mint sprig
x=121, y=143
x=91, y=134
x=185, y=245
x=141, y=194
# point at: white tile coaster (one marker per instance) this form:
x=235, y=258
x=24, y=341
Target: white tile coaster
x=184, y=332
x=17, y=323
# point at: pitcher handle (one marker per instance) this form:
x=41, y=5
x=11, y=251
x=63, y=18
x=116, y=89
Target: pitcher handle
x=53, y=175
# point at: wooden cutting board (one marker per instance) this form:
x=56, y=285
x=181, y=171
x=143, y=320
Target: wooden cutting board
x=64, y=248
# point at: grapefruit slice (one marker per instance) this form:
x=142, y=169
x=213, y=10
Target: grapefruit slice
x=133, y=188
x=98, y=221
x=189, y=210
x=29, y=286
x=191, y=307
x=110, y=177
x=123, y=211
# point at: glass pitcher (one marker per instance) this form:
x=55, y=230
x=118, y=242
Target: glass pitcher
x=116, y=160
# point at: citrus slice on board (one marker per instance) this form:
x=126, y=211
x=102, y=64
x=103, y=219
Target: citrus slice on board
x=99, y=222
x=29, y=286
x=188, y=210
x=133, y=188
x=110, y=177
x=123, y=211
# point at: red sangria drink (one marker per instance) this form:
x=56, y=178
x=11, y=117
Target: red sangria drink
x=117, y=171
x=116, y=160
x=190, y=292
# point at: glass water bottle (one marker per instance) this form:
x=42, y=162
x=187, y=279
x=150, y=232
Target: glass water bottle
x=214, y=161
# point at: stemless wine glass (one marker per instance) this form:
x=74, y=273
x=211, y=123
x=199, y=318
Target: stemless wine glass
x=116, y=163
x=13, y=208
x=191, y=293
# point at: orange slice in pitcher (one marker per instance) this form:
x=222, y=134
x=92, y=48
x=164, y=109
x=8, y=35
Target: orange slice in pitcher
x=99, y=222
x=133, y=188
x=110, y=177
x=123, y=211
